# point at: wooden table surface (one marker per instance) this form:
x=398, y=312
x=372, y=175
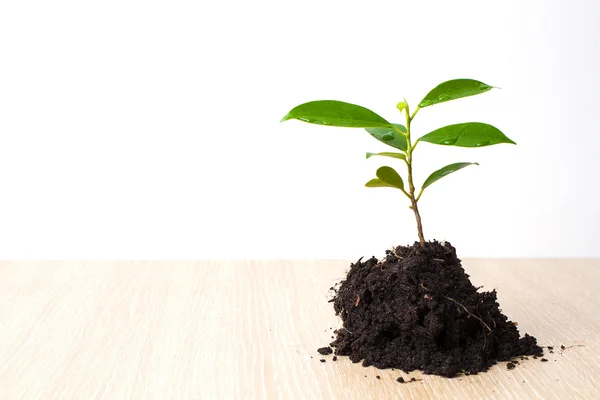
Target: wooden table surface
x=250, y=329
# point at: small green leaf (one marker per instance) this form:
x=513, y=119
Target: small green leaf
x=388, y=154
x=402, y=105
x=377, y=183
x=336, y=113
x=468, y=134
x=390, y=136
x=452, y=90
x=442, y=172
x=391, y=177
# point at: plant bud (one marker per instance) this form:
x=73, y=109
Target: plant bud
x=401, y=106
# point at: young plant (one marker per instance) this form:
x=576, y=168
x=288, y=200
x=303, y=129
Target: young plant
x=466, y=134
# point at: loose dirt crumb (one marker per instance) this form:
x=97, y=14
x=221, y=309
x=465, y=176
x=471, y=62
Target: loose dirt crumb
x=401, y=380
x=322, y=360
x=544, y=360
x=334, y=358
x=325, y=350
x=510, y=365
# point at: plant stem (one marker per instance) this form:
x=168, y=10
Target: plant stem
x=411, y=186
x=419, y=196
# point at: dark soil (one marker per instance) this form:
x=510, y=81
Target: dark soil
x=417, y=309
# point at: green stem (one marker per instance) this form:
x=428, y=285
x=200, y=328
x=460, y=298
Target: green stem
x=420, y=193
x=406, y=194
x=415, y=113
x=416, y=143
x=411, y=186
x=399, y=131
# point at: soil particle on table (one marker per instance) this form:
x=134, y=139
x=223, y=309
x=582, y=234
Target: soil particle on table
x=325, y=350
x=544, y=360
x=322, y=360
x=401, y=380
x=378, y=377
x=417, y=309
x=510, y=365
x=334, y=358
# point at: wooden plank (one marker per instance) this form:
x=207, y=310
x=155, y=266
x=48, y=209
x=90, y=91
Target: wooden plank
x=250, y=329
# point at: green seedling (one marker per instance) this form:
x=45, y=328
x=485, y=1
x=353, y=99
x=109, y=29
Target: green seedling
x=466, y=134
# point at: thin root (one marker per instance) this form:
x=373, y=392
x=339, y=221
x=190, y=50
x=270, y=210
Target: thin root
x=470, y=313
x=395, y=254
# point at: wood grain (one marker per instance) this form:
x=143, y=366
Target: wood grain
x=250, y=329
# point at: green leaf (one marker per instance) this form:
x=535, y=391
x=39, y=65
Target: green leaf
x=336, y=113
x=377, y=183
x=390, y=136
x=442, y=172
x=468, y=134
x=390, y=176
x=452, y=90
x=388, y=154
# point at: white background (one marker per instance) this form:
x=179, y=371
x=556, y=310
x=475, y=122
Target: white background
x=150, y=129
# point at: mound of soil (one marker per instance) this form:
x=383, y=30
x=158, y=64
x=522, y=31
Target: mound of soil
x=417, y=309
